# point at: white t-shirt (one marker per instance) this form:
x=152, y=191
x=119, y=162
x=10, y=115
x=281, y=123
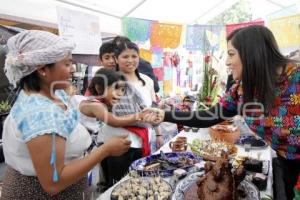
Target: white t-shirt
x=146, y=90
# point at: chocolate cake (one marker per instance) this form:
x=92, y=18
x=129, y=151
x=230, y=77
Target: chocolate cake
x=219, y=183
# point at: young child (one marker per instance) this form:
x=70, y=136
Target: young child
x=106, y=60
x=106, y=89
x=109, y=87
x=107, y=55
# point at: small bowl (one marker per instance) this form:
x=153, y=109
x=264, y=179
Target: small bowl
x=195, y=129
x=227, y=133
x=186, y=128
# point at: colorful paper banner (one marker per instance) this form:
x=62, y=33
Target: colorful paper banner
x=146, y=54
x=203, y=37
x=167, y=86
x=232, y=27
x=286, y=30
x=136, y=29
x=159, y=73
x=166, y=59
x=157, y=56
x=165, y=35
x=168, y=73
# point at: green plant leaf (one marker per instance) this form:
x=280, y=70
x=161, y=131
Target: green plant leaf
x=4, y=106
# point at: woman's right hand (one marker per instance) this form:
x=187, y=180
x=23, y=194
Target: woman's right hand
x=117, y=146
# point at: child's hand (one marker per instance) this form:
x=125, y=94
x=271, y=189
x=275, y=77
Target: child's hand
x=153, y=115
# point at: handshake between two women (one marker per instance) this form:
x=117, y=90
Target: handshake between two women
x=152, y=116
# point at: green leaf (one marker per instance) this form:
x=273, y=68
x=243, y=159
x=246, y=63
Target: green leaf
x=4, y=106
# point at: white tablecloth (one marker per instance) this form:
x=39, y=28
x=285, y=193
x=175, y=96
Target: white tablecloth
x=264, y=154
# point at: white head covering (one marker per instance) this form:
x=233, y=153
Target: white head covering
x=28, y=49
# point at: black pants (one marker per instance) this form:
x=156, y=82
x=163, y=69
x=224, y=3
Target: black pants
x=115, y=168
x=285, y=173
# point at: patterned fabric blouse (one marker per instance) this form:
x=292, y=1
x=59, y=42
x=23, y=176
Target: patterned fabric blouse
x=37, y=115
x=281, y=126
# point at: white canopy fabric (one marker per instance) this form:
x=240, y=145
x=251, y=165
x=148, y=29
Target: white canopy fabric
x=111, y=12
x=177, y=11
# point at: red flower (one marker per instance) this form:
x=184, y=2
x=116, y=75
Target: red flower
x=208, y=99
x=207, y=59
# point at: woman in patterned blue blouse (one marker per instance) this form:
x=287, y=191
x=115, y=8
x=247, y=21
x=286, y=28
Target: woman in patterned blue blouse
x=43, y=141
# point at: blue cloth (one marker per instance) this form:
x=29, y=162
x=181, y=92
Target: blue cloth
x=37, y=115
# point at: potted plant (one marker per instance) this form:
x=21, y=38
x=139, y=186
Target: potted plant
x=208, y=92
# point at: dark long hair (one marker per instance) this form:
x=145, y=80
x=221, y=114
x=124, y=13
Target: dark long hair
x=122, y=47
x=104, y=78
x=261, y=59
x=120, y=39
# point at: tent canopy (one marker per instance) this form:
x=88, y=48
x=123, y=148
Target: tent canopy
x=111, y=12
x=176, y=11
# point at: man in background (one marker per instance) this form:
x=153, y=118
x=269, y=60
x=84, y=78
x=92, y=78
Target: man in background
x=106, y=60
